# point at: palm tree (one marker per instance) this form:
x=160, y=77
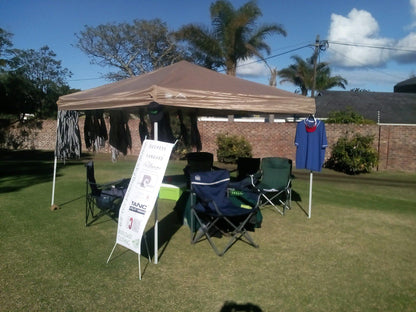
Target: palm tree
x=234, y=36
x=301, y=74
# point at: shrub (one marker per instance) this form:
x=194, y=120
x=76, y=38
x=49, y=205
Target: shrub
x=348, y=116
x=230, y=147
x=353, y=156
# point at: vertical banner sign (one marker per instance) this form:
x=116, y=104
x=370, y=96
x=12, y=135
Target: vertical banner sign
x=142, y=193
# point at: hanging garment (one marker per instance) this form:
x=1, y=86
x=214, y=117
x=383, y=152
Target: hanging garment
x=95, y=130
x=68, y=138
x=184, y=132
x=143, y=130
x=311, y=143
x=159, y=115
x=195, y=136
x=120, y=137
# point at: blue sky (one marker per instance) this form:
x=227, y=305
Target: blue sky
x=372, y=43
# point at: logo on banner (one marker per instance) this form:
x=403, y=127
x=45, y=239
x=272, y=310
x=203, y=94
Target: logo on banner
x=146, y=180
x=138, y=207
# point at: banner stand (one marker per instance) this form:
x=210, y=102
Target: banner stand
x=141, y=197
x=138, y=255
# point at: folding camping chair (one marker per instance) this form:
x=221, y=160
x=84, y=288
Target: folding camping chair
x=198, y=162
x=275, y=182
x=106, y=197
x=218, y=211
x=247, y=166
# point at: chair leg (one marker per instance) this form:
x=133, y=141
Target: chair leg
x=270, y=201
x=239, y=232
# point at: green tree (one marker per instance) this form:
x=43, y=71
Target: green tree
x=31, y=82
x=130, y=49
x=234, y=36
x=301, y=74
x=5, y=45
x=18, y=96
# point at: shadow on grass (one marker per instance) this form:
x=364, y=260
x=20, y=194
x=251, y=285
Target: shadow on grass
x=364, y=178
x=230, y=306
x=20, y=169
x=168, y=226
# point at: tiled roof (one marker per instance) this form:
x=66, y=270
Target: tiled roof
x=393, y=107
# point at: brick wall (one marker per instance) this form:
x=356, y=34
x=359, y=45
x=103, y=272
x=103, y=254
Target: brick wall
x=396, y=144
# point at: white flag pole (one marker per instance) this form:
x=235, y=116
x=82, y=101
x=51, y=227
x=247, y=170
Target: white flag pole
x=310, y=194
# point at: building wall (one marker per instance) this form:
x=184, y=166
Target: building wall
x=396, y=143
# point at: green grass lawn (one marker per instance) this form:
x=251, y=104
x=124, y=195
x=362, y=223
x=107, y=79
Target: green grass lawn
x=356, y=253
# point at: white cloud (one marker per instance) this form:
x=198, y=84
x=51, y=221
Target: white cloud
x=406, y=45
x=358, y=28
x=413, y=7
x=252, y=68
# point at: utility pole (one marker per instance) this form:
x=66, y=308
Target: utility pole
x=315, y=58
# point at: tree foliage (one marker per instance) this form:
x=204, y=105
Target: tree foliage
x=30, y=80
x=130, y=49
x=301, y=74
x=5, y=45
x=234, y=36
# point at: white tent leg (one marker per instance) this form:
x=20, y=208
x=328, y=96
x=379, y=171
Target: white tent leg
x=55, y=162
x=156, y=243
x=156, y=233
x=53, y=181
x=310, y=194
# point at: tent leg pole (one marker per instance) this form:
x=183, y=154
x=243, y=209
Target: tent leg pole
x=156, y=234
x=310, y=194
x=156, y=132
x=54, y=180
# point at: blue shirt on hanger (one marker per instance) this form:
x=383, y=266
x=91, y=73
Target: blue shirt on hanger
x=310, y=141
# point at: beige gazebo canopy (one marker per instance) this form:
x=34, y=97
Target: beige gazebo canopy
x=185, y=85
x=188, y=87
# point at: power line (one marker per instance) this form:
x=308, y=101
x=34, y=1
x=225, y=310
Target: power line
x=360, y=45
x=275, y=55
x=363, y=64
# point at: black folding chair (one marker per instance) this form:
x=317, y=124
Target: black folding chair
x=198, y=162
x=106, y=198
x=219, y=211
x=247, y=166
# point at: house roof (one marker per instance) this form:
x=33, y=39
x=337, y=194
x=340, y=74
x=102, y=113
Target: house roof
x=408, y=86
x=393, y=107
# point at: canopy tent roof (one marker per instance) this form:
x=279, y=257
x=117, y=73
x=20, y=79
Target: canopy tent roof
x=186, y=85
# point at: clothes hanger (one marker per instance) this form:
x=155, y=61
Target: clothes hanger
x=311, y=117
x=310, y=121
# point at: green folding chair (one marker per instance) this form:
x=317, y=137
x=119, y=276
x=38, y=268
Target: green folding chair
x=275, y=184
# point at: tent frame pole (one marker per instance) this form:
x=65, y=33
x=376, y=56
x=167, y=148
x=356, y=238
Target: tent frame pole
x=156, y=232
x=55, y=162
